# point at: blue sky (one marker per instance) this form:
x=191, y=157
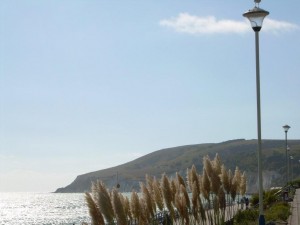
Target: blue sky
x=87, y=85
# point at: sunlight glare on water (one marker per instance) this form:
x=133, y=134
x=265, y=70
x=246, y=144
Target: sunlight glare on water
x=43, y=209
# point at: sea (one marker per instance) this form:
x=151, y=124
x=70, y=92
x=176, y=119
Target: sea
x=43, y=209
x=29, y=208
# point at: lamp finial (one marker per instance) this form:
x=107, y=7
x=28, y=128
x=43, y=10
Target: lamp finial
x=257, y=2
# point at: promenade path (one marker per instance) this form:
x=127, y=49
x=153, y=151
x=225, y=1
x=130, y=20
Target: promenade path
x=294, y=219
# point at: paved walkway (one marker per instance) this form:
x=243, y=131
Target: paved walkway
x=294, y=219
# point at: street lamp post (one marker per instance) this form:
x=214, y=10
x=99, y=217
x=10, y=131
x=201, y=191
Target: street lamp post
x=292, y=175
x=256, y=17
x=286, y=129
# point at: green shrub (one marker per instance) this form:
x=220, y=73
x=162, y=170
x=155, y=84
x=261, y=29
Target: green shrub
x=269, y=198
x=254, y=200
x=278, y=211
x=246, y=217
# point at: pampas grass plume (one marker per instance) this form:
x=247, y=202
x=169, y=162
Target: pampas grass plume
x=104, y=201
x=225, y=179
x=217, y=164
x=167, y=194
x=118, y=208
x=243, y=184
x=186, y=196
x=97, y=218
x=148, y=199
x=215, y=182
x=135, y=206
x=206, y=185
x=149, y=182
x=207, y=165
x=126, y=206
x=180, y=180
x=174, y=188
x=195, y=178
x=237, y=178
x=180, y=203
x=158, y=195
x=195, y=201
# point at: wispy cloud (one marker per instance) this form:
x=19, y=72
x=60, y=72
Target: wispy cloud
x=278, y=26
x=186, y=23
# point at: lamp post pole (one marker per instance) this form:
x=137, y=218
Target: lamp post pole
x=286, y=128
x=292, y=175
x=260, y=178
x=256, y=17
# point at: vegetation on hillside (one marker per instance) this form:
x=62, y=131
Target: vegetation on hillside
x=198, y=199
x=241, y=153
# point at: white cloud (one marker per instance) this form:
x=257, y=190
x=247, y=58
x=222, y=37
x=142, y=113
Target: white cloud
x=186, y=23
x=278, y=26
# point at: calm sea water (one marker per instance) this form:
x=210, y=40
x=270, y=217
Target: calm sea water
x=43, y=209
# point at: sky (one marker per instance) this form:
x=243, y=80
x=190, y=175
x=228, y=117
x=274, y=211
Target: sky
x=88, y=85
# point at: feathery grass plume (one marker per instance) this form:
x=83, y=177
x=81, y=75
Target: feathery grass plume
x=237, y=178
x=206, y=185
x=206, y=193
x=186, y=196
x=215, y=182
x=233, y=189
x=158, y=195
x=144, y=215
x=149, y=182
x=135, y=207
x=173, y=188
x=195, y=178
x=180, y=204
x=200, y=182
x=225, y=179
x=118, y=208
x=180, y=180
x=195, y=202
x=126, y=206
x=207, y=165
x=167, y=194
x=229, y=199
x=212, y=168
x=243, y=184
x=189, y=179
x=104, y=201
x=122, y=199
x=235, y=184
x=96, y=216
x=148, y=199
x=217, y=164
x=149, y=186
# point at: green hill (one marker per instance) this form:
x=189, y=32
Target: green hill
x=241, y=153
